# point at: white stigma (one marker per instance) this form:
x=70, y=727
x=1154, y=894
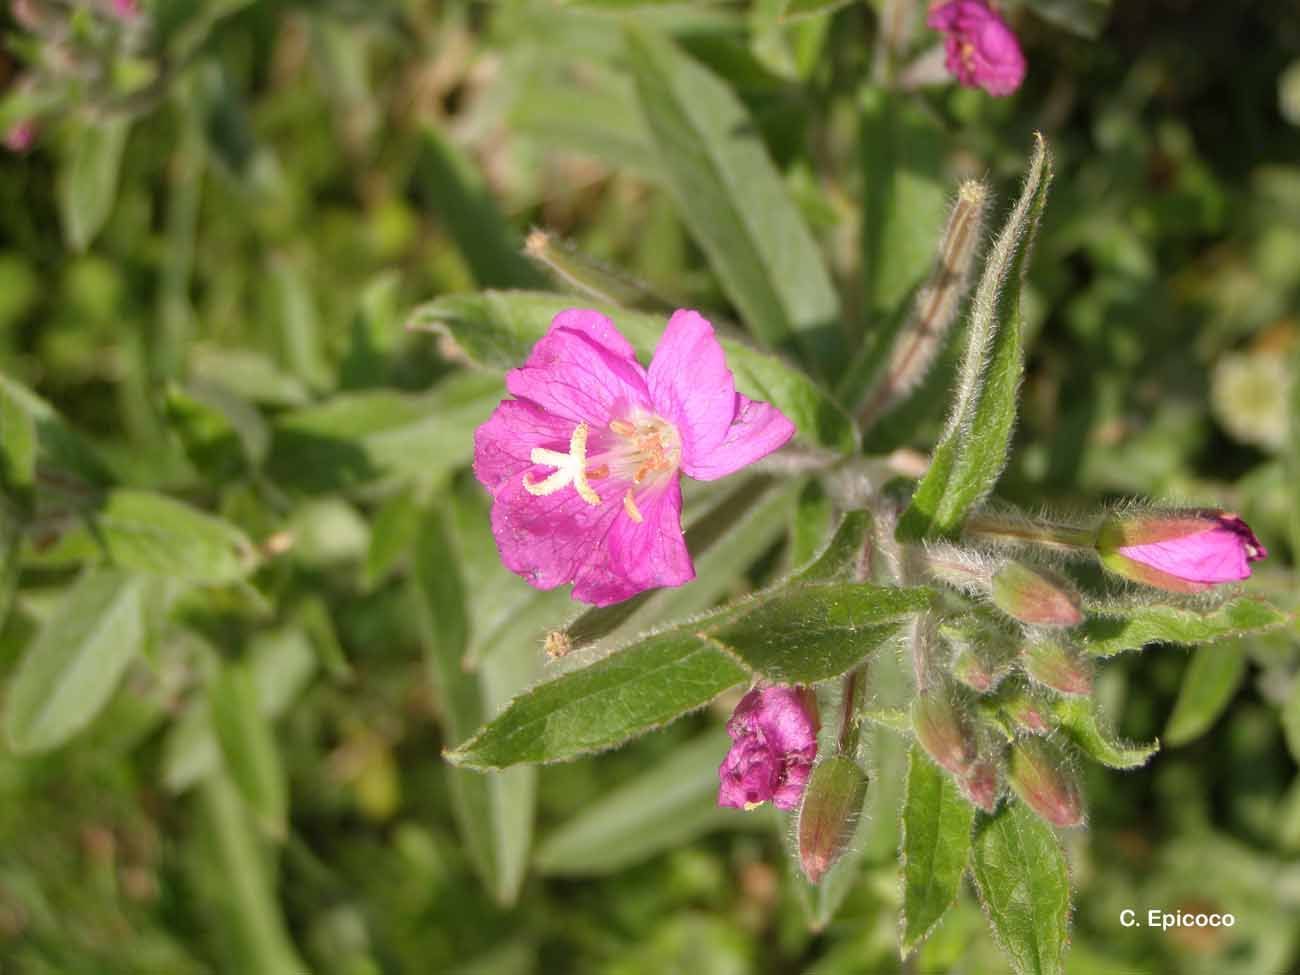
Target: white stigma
x=570, y=468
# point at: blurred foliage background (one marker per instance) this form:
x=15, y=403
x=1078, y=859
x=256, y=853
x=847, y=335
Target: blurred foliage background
x=207, y=257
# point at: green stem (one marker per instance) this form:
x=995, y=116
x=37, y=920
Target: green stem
x=1016, y=529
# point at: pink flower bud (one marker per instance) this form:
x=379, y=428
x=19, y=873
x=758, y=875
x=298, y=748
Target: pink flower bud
x=981, y=786
x=126, y=9
x=1058, y=666
x=1181, y=551
x=981, y=50
x=1035, y=596
x=1038, y=774
x=21, y=136
x=774, y=735
x=943, y=732
x=829, y=814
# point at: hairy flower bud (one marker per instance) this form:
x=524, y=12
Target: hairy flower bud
x=774, y=735
x=829, y=814
x=943, y=732
x=1036, y=596
x=1040, y=777
x=981, y=785
x=1179, y=551
x=982, y=656
x=1059, y=666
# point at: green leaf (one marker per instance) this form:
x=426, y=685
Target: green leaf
x=1077, y=717
x=732, y=199
x=281, y=663
x=973, y=450
x=57, y=444
x=494, y=812
x=248, y=747
x=1291, y=720
x=1292, y=451
x=1104, y=636
x=663, y=808
x=794, y=10
x=296, y=324
x=391, y=534
x=1086, y=18
x=74, y=664
x=809, y=524
x=497, y=329
x=220, y=432
x=87, y=184
x=803, y=635
x=357, y=438
x=17, y=444
x=936, y=826
x=1023, y=883
x=841, y=559
x=153, y=533
x=452, y=189
x=626, y=694
x=1212, y=677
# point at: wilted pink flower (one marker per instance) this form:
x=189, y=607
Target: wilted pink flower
x=982, y=51
x=21, y=136
x=1185, y=551
x=583, y=463
x=774, y=735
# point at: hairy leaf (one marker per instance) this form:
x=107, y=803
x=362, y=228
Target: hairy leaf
x=1212, y=677
x=1077, y=717
x=1106, y=635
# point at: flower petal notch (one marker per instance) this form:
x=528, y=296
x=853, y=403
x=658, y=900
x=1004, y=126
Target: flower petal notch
x=584, y=463
x=774, y=736
x=1179, y=551
x=980, y=50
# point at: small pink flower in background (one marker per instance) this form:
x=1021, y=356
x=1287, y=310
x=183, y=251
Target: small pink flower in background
x=982, y=51
x=774, y=735
x=583, y=464
x=21, y=136
x=126, y=9
x=1179, y=551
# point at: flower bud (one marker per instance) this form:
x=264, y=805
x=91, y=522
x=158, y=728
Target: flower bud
x=1059, y=666
x=774, y=735
x=21, y=136
x=1038, y=774
x=943, y=732
x=981, y=786
x=981, y=655
x=1035, y=596
x=829, y=814
x=1179, y=551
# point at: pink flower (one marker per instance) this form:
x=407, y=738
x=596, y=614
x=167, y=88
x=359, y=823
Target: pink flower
x=21, y=136
x=774, y=735
x=583, y=463
x=126, y=9
x=982, y=51
x=1184, y=551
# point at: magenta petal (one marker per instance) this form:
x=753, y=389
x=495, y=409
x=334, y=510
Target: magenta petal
x=596, y=327
x=636, y=556
x=691, y=386
x=790, y=792
x=575, y=376
x=1211, y=556
x=758, y=429
x=503, y=445
x=548, y=540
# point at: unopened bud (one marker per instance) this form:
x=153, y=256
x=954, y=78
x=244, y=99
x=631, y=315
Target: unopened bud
x=980, y=786
x=1039, y=775
x=829, y=815
x=1035, y=596
x=1179, y=551
x=943, y=732
x=1059, y=666
x=981, y=657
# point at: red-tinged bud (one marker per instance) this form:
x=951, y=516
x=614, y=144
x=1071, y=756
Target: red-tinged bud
x=1036, y=596
x=829, y=815
x=981, y=656
x=981, y=785
x=1038, y=773
x=1058, y=666
x=944, y=732
x=1179, y=551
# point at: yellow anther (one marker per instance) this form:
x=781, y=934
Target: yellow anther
x=570, y=468
x=629, y=505
x=622, y=428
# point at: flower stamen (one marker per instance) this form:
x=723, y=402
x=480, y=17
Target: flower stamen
x=633, y=512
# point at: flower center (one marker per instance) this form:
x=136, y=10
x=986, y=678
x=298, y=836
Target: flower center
x=641, y=449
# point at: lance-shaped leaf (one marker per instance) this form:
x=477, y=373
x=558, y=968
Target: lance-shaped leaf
x=1023, y=882
x=973, y=449
x=809, y=634
x=936, y=827
x=664, y=808
x=17, y=444
x=731, y=197
x=248, y=747
x=1077, y=717
x=75, y=662
x=87, y=184
x=1133, y=629
x=496, y=329
x=1211, y=679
